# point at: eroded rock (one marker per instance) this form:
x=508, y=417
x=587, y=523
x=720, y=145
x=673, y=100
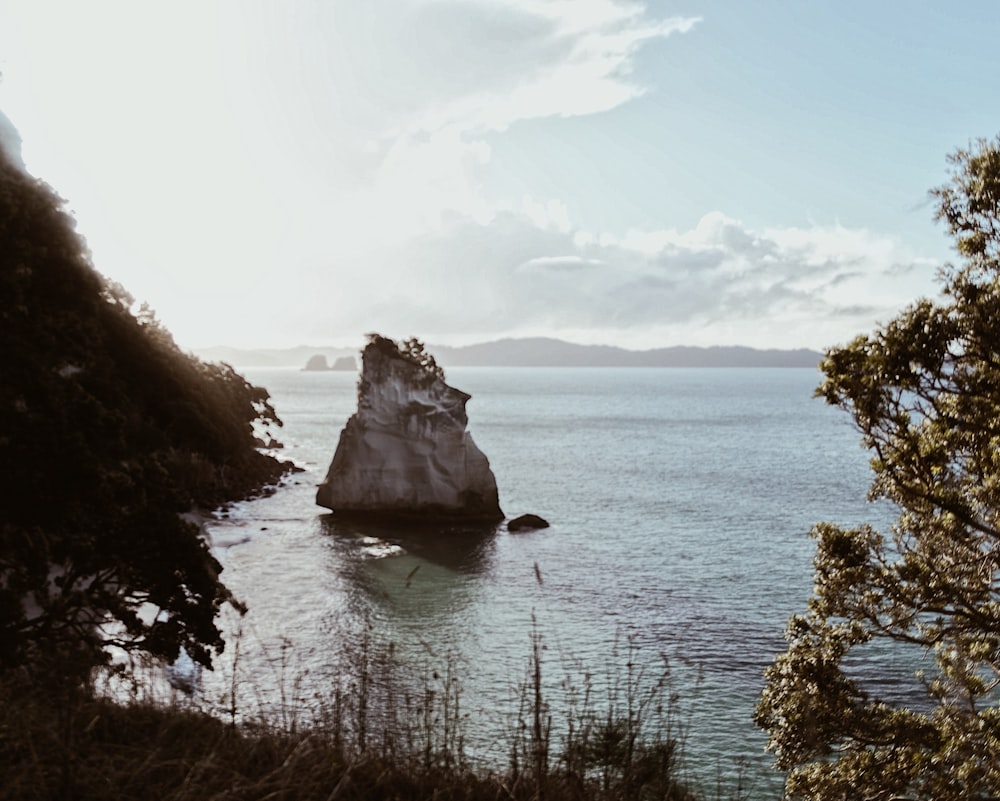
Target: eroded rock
x=406, y=452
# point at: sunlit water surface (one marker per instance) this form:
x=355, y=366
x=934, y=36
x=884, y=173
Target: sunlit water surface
x=680, y=503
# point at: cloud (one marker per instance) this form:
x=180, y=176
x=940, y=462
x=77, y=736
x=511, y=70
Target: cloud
x=551, y=59
x=784, y=287
x=560, y=263
x=382, y=121
x=271, y=176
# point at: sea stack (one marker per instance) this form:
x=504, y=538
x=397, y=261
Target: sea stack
x=406, y=453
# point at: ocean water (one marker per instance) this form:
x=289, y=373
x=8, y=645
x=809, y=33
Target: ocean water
x=680, y=503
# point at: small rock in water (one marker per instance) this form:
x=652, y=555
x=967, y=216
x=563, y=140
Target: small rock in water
x=527, y=522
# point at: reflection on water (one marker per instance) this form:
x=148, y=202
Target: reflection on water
x=462, y=548
x=411, y=584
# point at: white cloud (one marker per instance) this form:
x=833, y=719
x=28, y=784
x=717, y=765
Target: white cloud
x=532, y=60
x=560, y=263
x=779, y=288
x=569, y=59
x=461, y=70
x=551, y=213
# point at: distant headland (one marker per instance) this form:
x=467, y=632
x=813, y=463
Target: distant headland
x=529, y=352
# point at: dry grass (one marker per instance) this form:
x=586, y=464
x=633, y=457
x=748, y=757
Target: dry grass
x=366, y=742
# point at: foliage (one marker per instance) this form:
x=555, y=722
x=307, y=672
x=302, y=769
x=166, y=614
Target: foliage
x=924, y=390
x=107, y=433
x=412, y=350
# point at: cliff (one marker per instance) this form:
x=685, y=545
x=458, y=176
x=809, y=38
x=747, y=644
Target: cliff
x=406, y=452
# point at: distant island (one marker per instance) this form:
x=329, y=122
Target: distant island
x=317, y=363
x=529, y=352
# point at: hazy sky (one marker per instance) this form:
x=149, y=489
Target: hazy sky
x=635, y=173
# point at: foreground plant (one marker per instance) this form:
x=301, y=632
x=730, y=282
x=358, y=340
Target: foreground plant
x=380, y=736
x=925, y=392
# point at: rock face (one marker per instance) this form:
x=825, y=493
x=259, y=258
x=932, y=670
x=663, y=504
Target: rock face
x=527, y=523
x=10, y=143
x=405, y=452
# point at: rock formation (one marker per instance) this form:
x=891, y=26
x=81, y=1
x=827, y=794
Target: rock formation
x=319, y=364
x=406, y=452
x=10, y=144
x=527, y=523
x=345, y=363
x=316, y=363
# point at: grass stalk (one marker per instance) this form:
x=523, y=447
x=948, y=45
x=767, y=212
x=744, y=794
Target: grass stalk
x=373, y=738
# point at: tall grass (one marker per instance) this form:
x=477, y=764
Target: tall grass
x=375, y=736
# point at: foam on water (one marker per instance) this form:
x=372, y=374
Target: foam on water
x=379, y=549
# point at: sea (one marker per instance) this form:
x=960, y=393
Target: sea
x=680, y=503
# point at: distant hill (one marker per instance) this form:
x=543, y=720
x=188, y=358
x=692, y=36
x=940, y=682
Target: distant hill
x=545, y=352
x=537, y=352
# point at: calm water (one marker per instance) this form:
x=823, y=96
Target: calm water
x=681, y=501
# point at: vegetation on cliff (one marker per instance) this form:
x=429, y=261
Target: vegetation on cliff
x=108, y=432
x=411, y=350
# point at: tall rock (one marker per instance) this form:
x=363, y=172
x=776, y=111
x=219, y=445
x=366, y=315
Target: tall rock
x=406, y=452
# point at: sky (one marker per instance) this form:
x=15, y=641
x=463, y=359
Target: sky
x=642, y=174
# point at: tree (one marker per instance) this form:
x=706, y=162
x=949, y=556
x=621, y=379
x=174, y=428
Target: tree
x=924, y=390
x=108, y=433
x=412, y=350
